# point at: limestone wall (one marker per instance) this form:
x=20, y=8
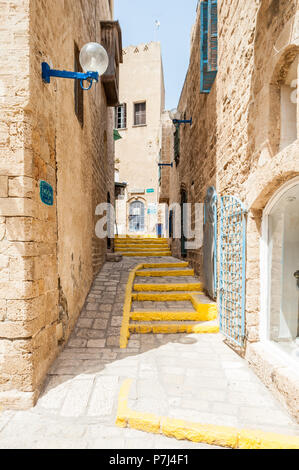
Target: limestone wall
x=49, y=255
x=234, y=142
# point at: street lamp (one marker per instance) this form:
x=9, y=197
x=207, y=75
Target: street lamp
x=175, y=116
x=94, y=61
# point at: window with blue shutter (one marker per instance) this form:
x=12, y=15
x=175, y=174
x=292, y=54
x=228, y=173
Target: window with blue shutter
x=208, y=44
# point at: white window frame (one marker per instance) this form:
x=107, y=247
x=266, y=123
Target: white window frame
x=123, y=118
x=265, y=313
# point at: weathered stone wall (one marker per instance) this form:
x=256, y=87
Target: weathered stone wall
x=196, y=170
x=234, y=142
x=49, y=255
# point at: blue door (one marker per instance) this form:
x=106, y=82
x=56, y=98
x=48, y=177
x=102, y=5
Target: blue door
x=232, y=269
x=137, y=212
x=210, y=243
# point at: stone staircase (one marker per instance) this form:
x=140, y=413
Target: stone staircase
x=143, y=247
x=167, y=298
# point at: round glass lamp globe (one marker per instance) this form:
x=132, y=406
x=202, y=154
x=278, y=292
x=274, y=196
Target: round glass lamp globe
x=174, y=114
x=94, y=58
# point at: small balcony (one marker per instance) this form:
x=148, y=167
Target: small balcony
x=112, y=41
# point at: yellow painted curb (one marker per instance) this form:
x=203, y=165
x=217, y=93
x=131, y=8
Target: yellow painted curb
x=167, y=316
x=166, y=273
x=250, y=439
x=124, y=332
x=173, y=329
x=146, y=422
x=168, y=287
x=123, y=410
x=222, y=436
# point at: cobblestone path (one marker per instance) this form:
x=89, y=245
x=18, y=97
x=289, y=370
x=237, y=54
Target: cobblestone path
x=192, y=377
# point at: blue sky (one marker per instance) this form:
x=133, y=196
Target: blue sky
x=137, y=20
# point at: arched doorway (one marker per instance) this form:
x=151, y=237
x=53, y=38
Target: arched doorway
x=281, y=269
x=137, y=215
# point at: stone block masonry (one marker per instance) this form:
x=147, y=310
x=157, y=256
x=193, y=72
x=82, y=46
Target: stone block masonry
x=48, y=255
x=237, y=144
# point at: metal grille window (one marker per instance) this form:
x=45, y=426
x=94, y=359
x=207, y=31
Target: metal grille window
x=140, y=114
x=121, y=116
x=208, y=44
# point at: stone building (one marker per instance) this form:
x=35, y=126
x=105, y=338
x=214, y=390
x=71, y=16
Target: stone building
x=240, y=157
x=138, y=120
x=58, y=134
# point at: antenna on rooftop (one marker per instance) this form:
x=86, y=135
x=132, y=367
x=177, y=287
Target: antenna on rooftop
x=157, y=28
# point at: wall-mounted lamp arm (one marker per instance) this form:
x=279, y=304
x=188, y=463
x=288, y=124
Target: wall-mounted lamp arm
x=182, y=121
x=165, y=164
x=47, y=73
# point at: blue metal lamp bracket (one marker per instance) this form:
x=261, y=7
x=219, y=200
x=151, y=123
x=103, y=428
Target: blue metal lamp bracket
x=161, y=165
x=178, y=122
x=47, y=73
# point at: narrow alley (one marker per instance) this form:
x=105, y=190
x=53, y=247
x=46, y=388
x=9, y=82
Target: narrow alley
x=191, y=377
x=149, y=225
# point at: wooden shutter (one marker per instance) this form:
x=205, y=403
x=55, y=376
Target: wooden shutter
x=206, y=77
x=212, y=36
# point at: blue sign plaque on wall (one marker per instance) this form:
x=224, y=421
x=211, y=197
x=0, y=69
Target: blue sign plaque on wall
x=46, y=193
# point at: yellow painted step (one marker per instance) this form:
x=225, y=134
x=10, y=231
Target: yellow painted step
x=158, y=297
x=146, y=254
x=175, y=273
x=167, y=316
x=201, y=328
x=134, y=249
x=141, y=243
x=168, y=287
x=207, y=309
x=165, y=265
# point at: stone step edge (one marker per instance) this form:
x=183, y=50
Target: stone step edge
x=211, y=434
x=166, y=273
x=174, y=328
x=141, y=250
x=145, y=316
x=141, y=255
x=168, y=287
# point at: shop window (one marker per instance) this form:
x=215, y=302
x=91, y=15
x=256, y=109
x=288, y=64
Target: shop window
x=208, y=44
x=283, y=271
x=78, y=92
x=288, y=99
x=140, y=114
x=121, y=116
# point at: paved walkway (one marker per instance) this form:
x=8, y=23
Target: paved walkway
x=192, y=377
